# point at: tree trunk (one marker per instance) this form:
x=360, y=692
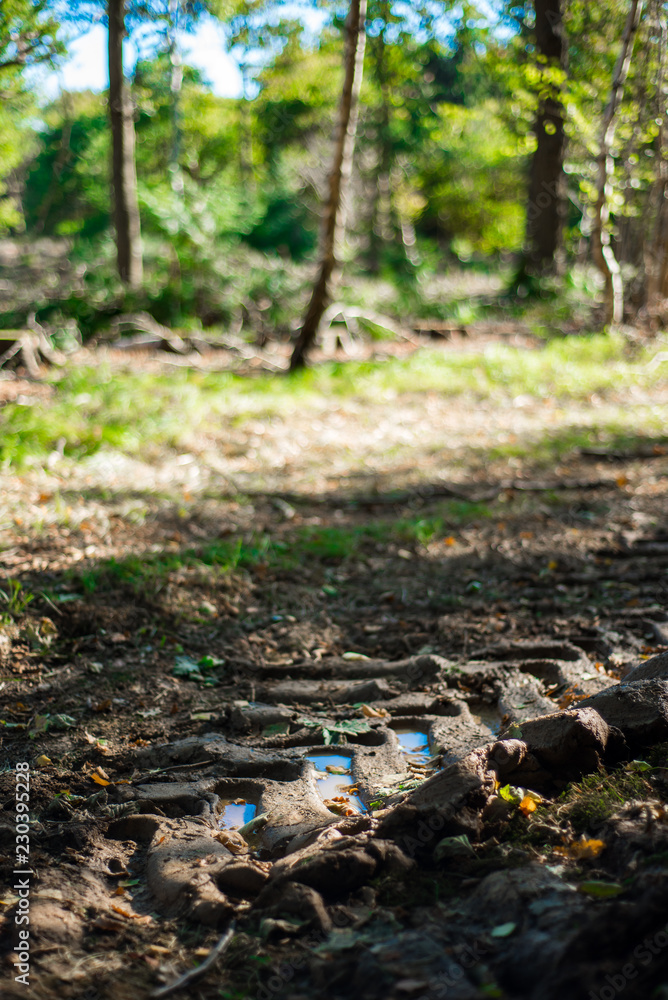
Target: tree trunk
x=123, y=171
x=342, y=164
x=175, y=86
x=602, y=251
x=656, y=246
x=547, y=204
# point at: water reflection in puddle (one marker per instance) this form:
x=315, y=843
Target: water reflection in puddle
x=234, y=813
x=413, y=744
x=335, y=787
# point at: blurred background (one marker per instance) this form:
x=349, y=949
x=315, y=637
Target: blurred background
x=499, y=148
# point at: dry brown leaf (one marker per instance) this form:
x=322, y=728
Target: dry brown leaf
x=232, y=840
x=374, y=713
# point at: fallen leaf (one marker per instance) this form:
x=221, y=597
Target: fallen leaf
x=581, y=849
x=503, y=930
x=43, y=760
x=374, y=713
x=527, y=805
x=232, y=840
x=108, y=925
x=601, y=890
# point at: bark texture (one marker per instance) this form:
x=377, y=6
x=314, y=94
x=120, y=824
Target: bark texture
x=333, y=225
x=123, y=170
x=547, y=203
x=604, y=256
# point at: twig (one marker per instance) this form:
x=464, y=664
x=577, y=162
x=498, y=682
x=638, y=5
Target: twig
x=194, y=974
x=174, y=767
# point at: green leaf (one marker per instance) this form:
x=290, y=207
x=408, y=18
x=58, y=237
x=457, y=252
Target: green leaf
x=503, y=930
x=638, y=765
x=601, y=890
x=512, y=794
x=277, y=729
x=184, y=666
x=209, y=662
x=453, y=847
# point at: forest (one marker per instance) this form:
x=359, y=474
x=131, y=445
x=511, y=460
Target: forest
x=334, y=499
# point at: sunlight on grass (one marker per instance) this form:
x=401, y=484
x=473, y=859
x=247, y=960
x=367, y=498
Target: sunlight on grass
x=143, y=413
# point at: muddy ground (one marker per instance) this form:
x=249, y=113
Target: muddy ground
x=364, y=584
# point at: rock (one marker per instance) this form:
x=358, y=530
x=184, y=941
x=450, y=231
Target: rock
x=391, y=858
x=564, y=744
x=654, y=669
x=294, y=899
x=335, y=872
x=505, y=896
x=639, y=708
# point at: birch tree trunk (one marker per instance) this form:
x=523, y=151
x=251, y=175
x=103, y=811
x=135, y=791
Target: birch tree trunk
x=602, y=251
x=123, y=170
x=333, y=224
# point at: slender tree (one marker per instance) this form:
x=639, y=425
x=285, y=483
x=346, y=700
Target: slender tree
x=342, y=163
x=123, y=170
x=602, y=250
x=546, y=201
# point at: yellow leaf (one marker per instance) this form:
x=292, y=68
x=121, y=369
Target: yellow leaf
x=527, y=805
x=581, y=849
x=99, y=781
x=43, y=760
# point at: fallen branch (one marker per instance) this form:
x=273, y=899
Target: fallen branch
x=190, y=977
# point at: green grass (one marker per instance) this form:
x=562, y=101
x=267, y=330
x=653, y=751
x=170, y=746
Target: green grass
x=143, y=413
x=148, y=573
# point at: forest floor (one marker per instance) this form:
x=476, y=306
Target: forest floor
x=211, y=577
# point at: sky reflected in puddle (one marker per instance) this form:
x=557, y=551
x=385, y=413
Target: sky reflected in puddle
x=234, y=813
x=335, y=786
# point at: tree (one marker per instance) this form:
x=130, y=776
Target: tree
x=339, y=177
x=27, y=34
x=123, y=169
x=603, y=253
x=546, y=201
x=27, y=37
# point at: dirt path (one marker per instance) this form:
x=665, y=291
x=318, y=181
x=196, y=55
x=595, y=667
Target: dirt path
x=209, y=632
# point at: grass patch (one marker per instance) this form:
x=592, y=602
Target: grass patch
x=593, y=800
x=148, y=573
x=142, y=413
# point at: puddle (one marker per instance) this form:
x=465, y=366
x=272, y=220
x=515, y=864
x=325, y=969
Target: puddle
x=413, y=744
x=234, y=813
x=335, y=786
x=487, y=716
